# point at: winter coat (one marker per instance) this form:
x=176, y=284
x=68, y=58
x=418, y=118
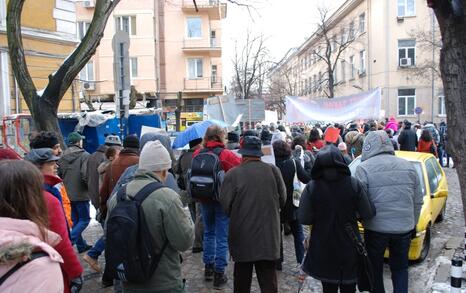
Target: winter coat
x=392, y=124
x=427, y=147
x=71, y=267
x=354, y=140
x=182, y=167
x=126, y=158
x=318, y=144
x=169, y=221
x=252, y=195
x=18, y=238
x=93, y=174
x=54, y=185
x=393, y=186
x=433, y=131
x=308, y=159
x=288, y=170
x=330, y=201
x=102, y=169
x=407, y=140
x=72, y=168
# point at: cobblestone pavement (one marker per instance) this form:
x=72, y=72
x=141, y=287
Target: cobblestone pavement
x=421, y=275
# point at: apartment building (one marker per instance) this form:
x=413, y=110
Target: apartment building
x=49, y=36
x=389, y=45
x=175, y=47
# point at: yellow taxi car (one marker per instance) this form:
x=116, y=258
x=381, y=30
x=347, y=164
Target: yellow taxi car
x=435, y=189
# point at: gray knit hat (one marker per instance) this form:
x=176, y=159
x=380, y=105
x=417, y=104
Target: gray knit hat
x=154, y=157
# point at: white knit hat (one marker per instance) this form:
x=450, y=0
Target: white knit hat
x=154, y=157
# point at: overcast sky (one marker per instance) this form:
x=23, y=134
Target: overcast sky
x=285, y=24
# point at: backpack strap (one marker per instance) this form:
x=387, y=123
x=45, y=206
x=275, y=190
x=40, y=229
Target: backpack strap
x=34, y=255
x=217, y=151
x=146, y=191
x=121, y=194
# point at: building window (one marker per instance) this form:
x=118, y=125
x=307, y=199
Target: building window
x=194, y=26
x=362, y=22
x=306, y=86
x=441, y=106
x=87, y=73
x=193, y=105
x=5, y=107
x=82, y=29
x=195, y=68
x=406, y=8
x=406, y=53
x=343, y=70
x=315, y=84
x=351, y=64
x=335, y=74
x=127, y=24
x=319, y=86
x=214, y=73
x=213, y=39
x=133, y=63
x=333, y=44
x=2, y=12
x=351, y=31
x=362, y=62
x=342, y=36
x=406, y=102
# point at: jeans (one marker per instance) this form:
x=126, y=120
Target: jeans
x=215, y=236
x=98, y=247
x=298, y=237
x=198, y=227
x=81, y=218
x=266, y=276
x=398, y=244
x=333, y=288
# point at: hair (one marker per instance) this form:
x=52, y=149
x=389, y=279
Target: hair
x=426, y=135
x=111, y=152
x=314, y=135
x=298, y=140
x=214, y=133
x=281, y=149
x=43, y=139
x=389, y=132
x=21, y=194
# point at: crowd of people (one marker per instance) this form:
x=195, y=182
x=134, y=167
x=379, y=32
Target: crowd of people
x=45, y=201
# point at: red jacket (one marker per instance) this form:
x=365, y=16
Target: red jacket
x=228, y=159
x=71, y=267
x=427, y=147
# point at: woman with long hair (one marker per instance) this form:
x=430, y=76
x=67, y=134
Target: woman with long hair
x=315, y=141
x=25, y=240
x=426, y=143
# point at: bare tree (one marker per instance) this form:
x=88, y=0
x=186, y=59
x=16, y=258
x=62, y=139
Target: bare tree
x=427, y=41
x=451, y=19
x=250, y=67
x=330, y=48
x=281, y=83
x=43, y=104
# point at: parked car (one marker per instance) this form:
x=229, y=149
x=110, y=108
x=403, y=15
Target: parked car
x=435, y=189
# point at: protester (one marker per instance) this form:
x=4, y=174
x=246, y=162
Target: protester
x=252, y=195
x=398, y=200
x=266, y=136
x=49, y=139
x=390, y=132
x=233, y=141
x=332, y=135
x=92, y=168
x=442, y=148
x=315, y=142
x=182, y=168
x=290, y=168
x=344, y=151
x=433, y=132
x=24, y=233
x=333, y=202
x=392, y=124
x=128, y=156
x=111, y=153
x=300, y=153
x=215, y=220
x=168, y=221
x=407, y=138
x=46, y=161
x=73, y=171
x=427, y=144
x=354, y=140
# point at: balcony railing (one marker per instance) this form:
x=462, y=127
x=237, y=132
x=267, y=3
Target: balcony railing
x=213, y=83
x=201, y=3
x=203, y=43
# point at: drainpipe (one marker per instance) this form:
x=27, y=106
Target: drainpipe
x=433, y=62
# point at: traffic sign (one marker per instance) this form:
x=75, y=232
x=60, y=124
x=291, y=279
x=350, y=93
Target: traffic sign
x=418, y=110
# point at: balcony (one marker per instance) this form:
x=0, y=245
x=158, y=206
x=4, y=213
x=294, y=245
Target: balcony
x=203, y=84
x=210, y=46
x=214, y=8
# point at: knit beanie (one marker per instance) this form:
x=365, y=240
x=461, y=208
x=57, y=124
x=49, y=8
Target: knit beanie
x=154, y=157
x=131, y=141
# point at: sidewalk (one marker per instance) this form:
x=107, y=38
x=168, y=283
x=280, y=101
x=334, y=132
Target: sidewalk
x=442, y=275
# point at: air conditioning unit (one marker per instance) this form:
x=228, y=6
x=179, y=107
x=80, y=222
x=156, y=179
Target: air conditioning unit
x=405, y=62
x=88, y=3
x=89, y=86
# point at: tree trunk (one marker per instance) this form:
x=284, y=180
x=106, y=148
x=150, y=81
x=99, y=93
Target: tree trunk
x=453, y=70
x=331, y=85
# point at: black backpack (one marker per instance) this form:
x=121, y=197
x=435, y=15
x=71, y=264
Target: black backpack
x=130, y=253
x=206, y=175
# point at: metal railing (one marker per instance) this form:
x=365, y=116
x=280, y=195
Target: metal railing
x=201, y=3
x=201, y=43
x=203, y=83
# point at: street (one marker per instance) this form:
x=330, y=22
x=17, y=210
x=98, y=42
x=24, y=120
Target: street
x=421, y=275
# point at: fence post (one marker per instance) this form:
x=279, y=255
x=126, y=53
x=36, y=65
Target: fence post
x=456, y=273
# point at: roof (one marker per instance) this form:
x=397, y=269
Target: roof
x=414, y=156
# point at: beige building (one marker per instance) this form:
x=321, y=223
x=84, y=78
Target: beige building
x=173, y=48
x=390, y=47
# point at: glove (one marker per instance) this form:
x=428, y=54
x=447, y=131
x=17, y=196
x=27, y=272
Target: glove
x=76, y=284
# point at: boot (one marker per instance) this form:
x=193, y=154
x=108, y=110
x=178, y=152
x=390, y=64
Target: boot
x=209, y=272
x=220, y=279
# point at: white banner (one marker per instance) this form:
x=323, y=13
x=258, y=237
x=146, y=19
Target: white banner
x=342, y=109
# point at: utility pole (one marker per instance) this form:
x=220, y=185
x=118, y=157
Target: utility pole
x=179, y=108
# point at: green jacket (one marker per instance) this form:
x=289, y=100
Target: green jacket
x=167, y=220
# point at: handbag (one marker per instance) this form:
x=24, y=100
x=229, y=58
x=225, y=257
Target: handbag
x=365, y=270
x=297, y=187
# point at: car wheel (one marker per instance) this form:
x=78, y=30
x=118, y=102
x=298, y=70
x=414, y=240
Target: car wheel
x=425, y=246
x=441, y=216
